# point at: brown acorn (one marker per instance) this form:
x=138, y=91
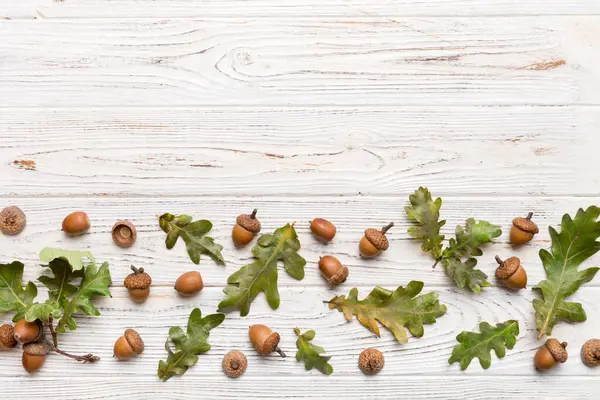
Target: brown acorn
x=12, y=220
x=76, y=223
x=323, y=229
x=138, y=284
x=332, y=269
x=511, y=272
x=246, y=227
x=590, y=353
x=28, y=332
x=264, y=340
x=371, y=361
x=34, y=356
x=234, y=364
x=551, y=353
x=128, y=345
x=124, y=234
x=522, y=230
x=374, y=241
x=7, y=337
x=189, y=283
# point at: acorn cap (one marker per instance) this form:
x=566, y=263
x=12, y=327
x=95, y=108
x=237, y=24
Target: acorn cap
x=270, y=343
x=249, y=222
x=339, y=276
x=371, y=361
x=124, y=233
x=378, y=238
x=234, y=363
x=7, y=336
x=138, y=280
x=135, y=340
x=36, y=349
x=526, y=224
x=557, y=349
x=508, y=267
x=590, y=353
x=12, y=220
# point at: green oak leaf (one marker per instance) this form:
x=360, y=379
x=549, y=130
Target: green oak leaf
x=425, y=212
x=41, y=311
x=261, y=275
x=73, y=257
x=575, y=243
x=13, y=295
x=464, y=274
x=470, y=237
x=473, y=344
x=311, y=354
x=187, y=345
x=192, y=234
x=394, y=310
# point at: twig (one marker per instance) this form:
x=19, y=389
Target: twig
x=85, y=359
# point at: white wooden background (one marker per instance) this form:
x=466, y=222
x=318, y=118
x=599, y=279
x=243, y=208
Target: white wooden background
x=301, y=108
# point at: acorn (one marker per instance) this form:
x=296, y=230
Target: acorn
x=7, y=337
x=76, y=223
x=234, y=364
x=34, y=356
x=264, y=340
x=12, y=220
x=522, y=230
x=138, y=284
x=374, y=241
x=28, y=332
x=332, y=269
x=323, y=229
x=511, y=272
x=246, y=227
x=128, y=345
x=124, y=234
x=189, y=283
x=551, y=353
x=590, y=353
x=371, y=361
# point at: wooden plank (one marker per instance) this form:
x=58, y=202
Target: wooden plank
x=400, y=264
x=304, y=308
x=531, y=151
x=392, y=9
x=312, y=61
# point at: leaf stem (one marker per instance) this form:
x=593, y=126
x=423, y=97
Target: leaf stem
x=54, y=346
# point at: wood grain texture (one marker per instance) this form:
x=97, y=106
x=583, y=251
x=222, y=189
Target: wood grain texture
x=533, y=151
x=312, y=61
x=291, y=8
x=403, y=262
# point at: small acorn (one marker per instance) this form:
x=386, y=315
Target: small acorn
x=234, y=364
x=246, y=227
x=138, y=284
x=522, y=230
x=34, y=356
x=28, y=332
x=374, y=241
x=590, y=353
x=371, y=361
x=189, y=283
x=264, y=340
x=124, y=234
x=128, y=345
x=323, y=229
x=551, y=353
x=7, y=337
x=76, y=223
x=332, y=269
x=12, y=220
x=511, y=272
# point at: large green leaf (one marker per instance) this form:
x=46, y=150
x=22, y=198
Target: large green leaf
x=311, y=354
x=192, y=234
x=394, y=310
x=425, y=212
x=473, y=344
x=261, y=275
x=188, y=345
x=575, y=243
x=73, y=257
x=13, y=295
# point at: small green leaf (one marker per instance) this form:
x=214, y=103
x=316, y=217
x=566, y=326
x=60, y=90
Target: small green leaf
x=394, y=310
x=312, y=354
x=73, y=257
x=473, y=344
x=13, y=295
x=192, y=234
x=464, y=274
x=425, y=212
x=188, y=345
x=42, y=311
